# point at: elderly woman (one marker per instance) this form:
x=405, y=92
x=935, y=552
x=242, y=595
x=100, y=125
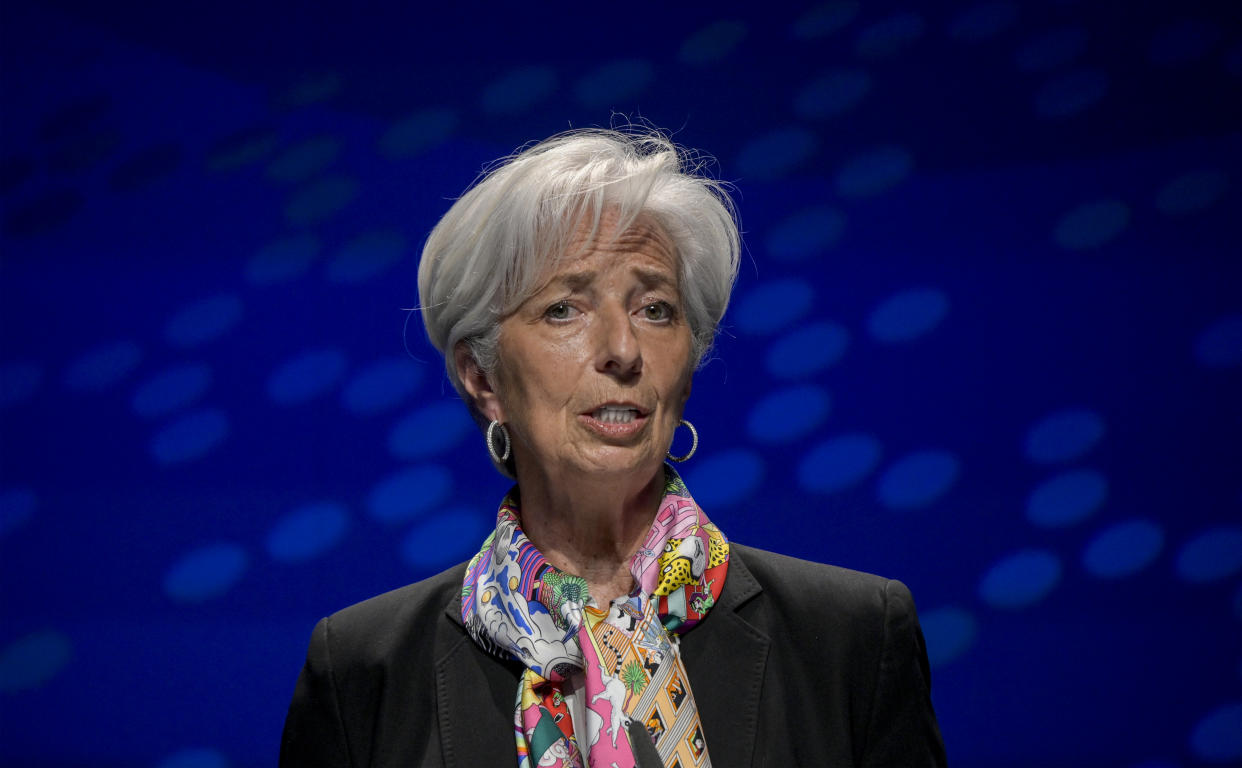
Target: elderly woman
x=606, y=621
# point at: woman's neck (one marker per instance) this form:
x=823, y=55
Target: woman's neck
x=590, y=527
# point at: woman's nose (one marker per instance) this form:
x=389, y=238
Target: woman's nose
x=619, y=352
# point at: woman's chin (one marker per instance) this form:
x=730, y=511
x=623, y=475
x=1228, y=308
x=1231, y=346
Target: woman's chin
x=620, y=461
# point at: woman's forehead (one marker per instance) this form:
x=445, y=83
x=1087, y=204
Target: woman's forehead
x=643, y=246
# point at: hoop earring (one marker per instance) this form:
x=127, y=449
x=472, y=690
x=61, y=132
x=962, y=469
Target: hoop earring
x=491, y=443
x=694, y=446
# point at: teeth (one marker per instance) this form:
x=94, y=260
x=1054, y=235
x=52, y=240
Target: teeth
x=611, y=414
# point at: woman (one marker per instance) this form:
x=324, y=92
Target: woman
x=605, y=621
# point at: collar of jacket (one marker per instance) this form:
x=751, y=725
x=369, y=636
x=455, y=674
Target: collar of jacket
x=725, y=657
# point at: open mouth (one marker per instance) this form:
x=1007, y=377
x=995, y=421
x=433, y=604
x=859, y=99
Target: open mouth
x=615, y=414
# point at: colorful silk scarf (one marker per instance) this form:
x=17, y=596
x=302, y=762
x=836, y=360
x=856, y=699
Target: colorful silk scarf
x=516, y=604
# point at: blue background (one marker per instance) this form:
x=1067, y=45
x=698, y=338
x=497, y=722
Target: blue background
x=987, y=339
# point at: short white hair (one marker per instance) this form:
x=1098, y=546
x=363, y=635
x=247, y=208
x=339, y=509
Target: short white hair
x=486, y=256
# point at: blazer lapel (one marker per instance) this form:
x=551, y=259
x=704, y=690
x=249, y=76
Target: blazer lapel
x=477, y=694
x=725, y=657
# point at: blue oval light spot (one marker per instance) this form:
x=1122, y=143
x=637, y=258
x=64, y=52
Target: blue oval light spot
x=418, y=132
x=838, y=463
x=825, y=18
x=242, y=149
x=206, y=572
x=445, y=538
x=519, y=89
x=103, y=367
x=949, y=633
x=1071, y=93
x=725, y=478
x=30, y=661
x=190, y=437
x=807, y=233
x=614, y=82
x=19, y=381
x=774, y=153
x=320, y=200
x=305, y=159
x=713, y=42
x=907, y=315
x=431, y=430
x=171, y=390
x=1123, y=549
x=1066, y=499
x=195, y=758
x=204, y=320
x=807, y=350
x=307, y=532
x=889, y=35
x=1220, y=344
x=1091, y=225
x=409, y=493
x=874, y=171
x=918, y=479
x=1217, y=737
x=1052, y=49
x=17, y=505
x=774, y=305
x=832, y=94
x=1064, y=435
x=1212, y=555
x=382, y=385
x=306, y=376
x=312, y=88
x=788, y=414
x=1183, y=42
x=366, y=256
x=1233, y=60
x=983, y=21
x=284, y=259
x=1020, y=579
x=1192, y=191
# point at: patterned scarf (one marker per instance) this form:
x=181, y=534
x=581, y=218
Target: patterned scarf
x=516, y=604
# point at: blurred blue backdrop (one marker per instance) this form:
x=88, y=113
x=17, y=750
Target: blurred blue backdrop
x=987, y=339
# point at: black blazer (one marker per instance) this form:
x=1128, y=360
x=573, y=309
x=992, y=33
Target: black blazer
x=797, y=664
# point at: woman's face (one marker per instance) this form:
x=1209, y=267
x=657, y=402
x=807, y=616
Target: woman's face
x=594, y=369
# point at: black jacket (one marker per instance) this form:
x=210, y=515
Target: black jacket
x=797, y=664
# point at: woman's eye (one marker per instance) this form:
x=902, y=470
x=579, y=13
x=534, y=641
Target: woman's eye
x=559, y=311
x=659, y=311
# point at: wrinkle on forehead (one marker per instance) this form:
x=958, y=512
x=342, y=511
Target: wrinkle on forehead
x=604, y=236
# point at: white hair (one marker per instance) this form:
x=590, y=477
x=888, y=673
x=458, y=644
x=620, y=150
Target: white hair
x=486, y=256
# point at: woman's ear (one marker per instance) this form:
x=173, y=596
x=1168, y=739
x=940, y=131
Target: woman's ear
x=476, y=383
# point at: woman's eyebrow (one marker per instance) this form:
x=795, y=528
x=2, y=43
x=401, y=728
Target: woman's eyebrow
x=655, y=278
x=576, y=281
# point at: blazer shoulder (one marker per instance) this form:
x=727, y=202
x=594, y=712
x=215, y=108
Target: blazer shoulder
x=787, y=579
x=366, y=630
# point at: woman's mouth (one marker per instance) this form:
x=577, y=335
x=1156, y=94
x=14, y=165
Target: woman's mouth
x=615, y=414
x=615, y=421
